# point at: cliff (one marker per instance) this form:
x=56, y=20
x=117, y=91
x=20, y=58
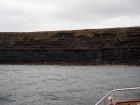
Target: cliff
x=90, y=46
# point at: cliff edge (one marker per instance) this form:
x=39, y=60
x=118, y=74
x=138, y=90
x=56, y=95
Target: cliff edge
x=82, y=47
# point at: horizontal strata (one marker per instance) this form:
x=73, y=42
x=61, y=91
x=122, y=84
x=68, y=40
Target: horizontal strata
x=90, y=46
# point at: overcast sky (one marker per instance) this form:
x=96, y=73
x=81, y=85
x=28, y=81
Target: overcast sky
x=45, y=15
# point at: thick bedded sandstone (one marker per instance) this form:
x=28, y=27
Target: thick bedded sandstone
x=91, y=46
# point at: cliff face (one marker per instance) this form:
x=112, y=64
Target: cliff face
x=93, y=46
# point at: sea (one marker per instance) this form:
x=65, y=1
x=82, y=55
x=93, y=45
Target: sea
x=63, y=85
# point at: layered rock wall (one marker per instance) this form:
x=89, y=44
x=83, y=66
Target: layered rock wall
x=91, y=46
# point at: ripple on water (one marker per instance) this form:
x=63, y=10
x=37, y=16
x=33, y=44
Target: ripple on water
x=56, y=79
x=34, y=76
x=75, y=90
x=4, y=100
x=52, y=95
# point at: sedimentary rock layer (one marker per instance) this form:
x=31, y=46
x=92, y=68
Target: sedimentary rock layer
x=90, y=46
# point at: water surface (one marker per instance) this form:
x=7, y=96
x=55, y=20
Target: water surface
x=62, y=85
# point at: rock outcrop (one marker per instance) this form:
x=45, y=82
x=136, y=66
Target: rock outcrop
x=90, y=46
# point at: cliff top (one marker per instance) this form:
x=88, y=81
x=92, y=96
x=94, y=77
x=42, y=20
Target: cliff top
x=80, y=30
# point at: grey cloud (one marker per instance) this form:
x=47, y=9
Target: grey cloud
x=34, y=15
x=97, y=8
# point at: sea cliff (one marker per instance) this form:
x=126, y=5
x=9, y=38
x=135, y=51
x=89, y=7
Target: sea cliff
x=82, y=47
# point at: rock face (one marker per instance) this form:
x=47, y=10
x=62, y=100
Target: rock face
x=91, y=46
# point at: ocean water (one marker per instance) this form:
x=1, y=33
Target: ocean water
x=62, y=85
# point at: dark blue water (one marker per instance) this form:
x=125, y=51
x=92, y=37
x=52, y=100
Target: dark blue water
x=62, y=85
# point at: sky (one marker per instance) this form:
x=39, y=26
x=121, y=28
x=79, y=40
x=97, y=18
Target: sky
x=49, y=15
